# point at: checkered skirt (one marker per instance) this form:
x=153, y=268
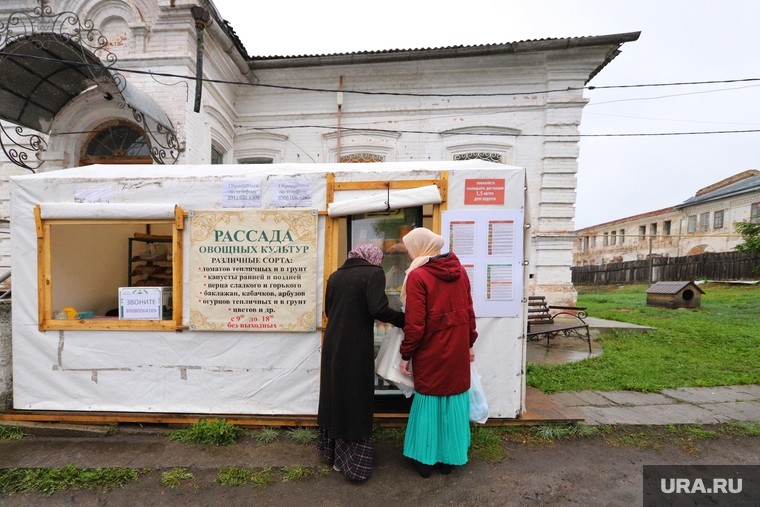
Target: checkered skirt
x=352, y=457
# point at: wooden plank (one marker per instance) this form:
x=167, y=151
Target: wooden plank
x=44, y=289
x=107, y=222
x=438, y=209
x=177, y=264
x=331, y=244
x=38, y=221
x=179, y=218
x=376, y=185
x=108, y=325
x=539, y=409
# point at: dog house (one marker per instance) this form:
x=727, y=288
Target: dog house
x=674, y=295
x=198, y=289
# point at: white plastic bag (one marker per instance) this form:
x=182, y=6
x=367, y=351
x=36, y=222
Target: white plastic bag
x=386, y=362
x=478, y=403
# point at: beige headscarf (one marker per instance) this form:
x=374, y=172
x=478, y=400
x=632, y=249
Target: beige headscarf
x=421, y=244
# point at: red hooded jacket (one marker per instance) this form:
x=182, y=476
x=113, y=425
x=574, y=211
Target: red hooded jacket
x=439, y=326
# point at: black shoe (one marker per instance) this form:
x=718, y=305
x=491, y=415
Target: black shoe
x=423, y=469
x=445, y=469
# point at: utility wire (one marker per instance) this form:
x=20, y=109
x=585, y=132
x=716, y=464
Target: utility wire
x=643, y=134
x=486, y=134
x=399, y=94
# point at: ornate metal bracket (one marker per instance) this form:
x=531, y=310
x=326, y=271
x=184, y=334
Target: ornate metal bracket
x=43, y=28
x=164, y=144
x=18, y=151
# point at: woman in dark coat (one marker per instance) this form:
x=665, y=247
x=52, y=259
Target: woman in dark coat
x=355, y=297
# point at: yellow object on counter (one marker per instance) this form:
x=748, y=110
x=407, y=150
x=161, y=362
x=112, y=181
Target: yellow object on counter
x=69, y=312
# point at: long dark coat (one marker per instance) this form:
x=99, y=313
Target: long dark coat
x=355, y=297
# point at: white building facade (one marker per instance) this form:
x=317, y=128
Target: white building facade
x=516, y=103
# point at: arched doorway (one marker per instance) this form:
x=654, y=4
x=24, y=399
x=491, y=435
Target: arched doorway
x=116, y=143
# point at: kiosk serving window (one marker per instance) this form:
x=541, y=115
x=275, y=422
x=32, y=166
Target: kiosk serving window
x=117, y=271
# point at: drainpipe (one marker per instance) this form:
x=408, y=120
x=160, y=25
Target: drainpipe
x=651, y=262
x=340, y=111
x=201, y=17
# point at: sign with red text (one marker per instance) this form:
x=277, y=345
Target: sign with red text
x=253, y=270
x=483, y=191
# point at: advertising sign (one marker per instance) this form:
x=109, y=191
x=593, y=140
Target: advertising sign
x=253, y=270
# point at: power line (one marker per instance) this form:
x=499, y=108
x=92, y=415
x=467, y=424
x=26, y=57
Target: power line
x=496, y=134
x=380, y=93
x=347, y=130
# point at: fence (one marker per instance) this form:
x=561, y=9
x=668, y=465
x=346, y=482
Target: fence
x=710, y=266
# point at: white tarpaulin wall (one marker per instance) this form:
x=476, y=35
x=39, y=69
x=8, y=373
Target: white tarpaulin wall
x=211, y=372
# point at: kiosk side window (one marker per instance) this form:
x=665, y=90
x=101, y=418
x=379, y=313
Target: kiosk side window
x=88, y=268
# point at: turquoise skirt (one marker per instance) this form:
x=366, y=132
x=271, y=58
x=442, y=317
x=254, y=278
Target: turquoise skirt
x=439, y=429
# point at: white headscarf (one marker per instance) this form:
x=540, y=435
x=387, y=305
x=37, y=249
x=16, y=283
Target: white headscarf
x=421, y=244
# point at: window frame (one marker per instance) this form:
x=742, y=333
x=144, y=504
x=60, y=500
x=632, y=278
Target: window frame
x=218, y=150
x=46, y=321
x=704, y=222
x=754, y=213
x=666, y=227
x=718, y=224
x=691, y=224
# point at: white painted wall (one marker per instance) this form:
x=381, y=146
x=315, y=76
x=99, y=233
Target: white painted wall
x=246, y=121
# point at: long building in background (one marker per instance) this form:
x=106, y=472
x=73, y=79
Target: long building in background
x=703, y=223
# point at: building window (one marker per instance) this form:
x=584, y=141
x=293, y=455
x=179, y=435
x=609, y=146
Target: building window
x=704, y=222
x=116, y=144
x=217, y=157
x=606, y=240
x=666, y=227
x=479, y=155
x=593, y=241
x=257, y=160
x=642, y=232
x=754, y=213
x=613, y=238
x=691, y=226
x=585, y=243
x=718, y=220
x=653, y=230
x=361, y=158
x=622, y=235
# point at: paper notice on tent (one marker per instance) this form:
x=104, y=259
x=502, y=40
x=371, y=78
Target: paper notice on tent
x=489, y=243
x=253, y=270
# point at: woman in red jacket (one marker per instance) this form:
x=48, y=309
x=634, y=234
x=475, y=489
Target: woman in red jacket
x=439, y=332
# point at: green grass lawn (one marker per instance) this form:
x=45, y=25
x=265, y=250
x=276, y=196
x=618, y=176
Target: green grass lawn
x=716, y=344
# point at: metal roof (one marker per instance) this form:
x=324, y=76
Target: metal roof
x=744, y=186
x=34, y=86
x=671, y=287
x=39, y=76
x=461, y=51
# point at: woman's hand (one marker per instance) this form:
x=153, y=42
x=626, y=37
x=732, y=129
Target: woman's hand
x=403, y=366
x=472, y=355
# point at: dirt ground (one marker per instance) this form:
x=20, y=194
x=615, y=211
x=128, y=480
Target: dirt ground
x=594, y=471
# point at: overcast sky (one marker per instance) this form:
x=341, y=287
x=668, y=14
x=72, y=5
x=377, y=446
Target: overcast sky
x=681, y=41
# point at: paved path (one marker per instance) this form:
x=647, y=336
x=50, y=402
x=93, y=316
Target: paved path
x=699, y=405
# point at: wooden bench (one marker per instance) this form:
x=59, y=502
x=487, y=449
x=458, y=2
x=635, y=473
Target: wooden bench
x=542, y=323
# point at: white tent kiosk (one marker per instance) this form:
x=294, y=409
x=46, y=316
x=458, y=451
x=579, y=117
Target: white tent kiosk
x=77, y=238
